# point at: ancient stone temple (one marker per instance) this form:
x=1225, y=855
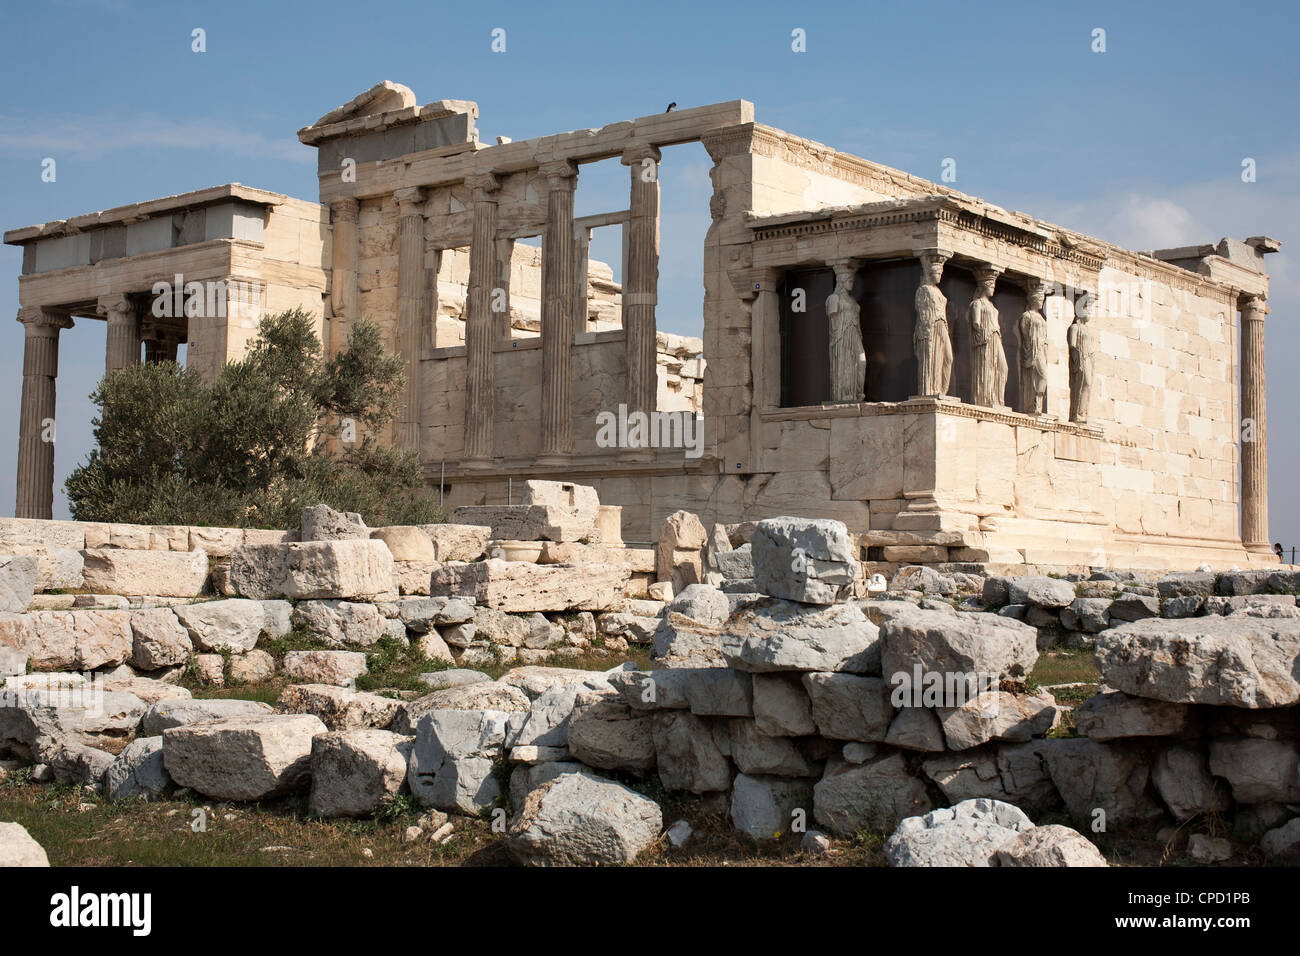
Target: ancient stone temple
x=955, y=382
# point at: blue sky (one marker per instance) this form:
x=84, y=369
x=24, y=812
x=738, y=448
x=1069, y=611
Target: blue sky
x=1141, y=144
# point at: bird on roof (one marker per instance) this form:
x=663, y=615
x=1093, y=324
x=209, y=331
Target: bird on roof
x=671, y=106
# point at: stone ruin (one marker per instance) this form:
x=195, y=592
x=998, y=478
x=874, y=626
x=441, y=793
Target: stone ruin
x=956, y=383
x=791, y=688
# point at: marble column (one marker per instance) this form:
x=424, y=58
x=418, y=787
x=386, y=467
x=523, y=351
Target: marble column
x=123, y=342
x=478, y=323
x=1254, y=430
x=343, y=280
x=410, y=305
x=641, y=284
x=505, y=253
x=557, y=315
x=36, y=411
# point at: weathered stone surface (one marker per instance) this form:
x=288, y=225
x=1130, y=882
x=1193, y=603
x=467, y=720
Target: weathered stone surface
x=1187, y=584
x=660, y=689
x=718, y=692
x=687, y=755
x=452, y=677
x=804, y=559
x=782, y=707
x=252, y=757
x=70, y=762
x=138, y=771
x=1015, y=773
x=764, y=807
x=681, y=539
x=1133, y=607
x=1051, y=845
x=1282, y=841
x=850, y=797
x=996, y=715
x=277, y=618
x=1181, y=776
x=341, y=668
x=149, y=690
x=341, y=622
x=215, y=626
x=1040, y=590
x=527, y=522
x=358, y=570
x=79, y=640
x=774, y=635
x=1112, y=714
x=916, y=728
x=579, y=818
x=458, y=542
x=691, y=631
x=76, y=712
x=158, y=639
x=1088, y=614
x=968, y=834
x=17, y=848
x=950, y=644
x=604, y=732
x=423, y=613
x=337, y=707
x=353, y=772
x=451, y=763
x=1110, y=777
x=1259, y=771
x=484, y=695
x=520, y=587
x=757, y=754
x=178, y=713
x=1238, y=662
x=323, y=523
x=407, y=543
x=252, y=667
x=161, y=573
x=849, y=707
x=18, y=573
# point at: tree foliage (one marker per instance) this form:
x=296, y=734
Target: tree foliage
x=272, y=435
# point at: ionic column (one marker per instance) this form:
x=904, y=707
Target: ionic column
x=410, y=303
x=557, y=315
x=478, y=323
x=343, y=281
x=36, y=411
x=501, y=290
x=123, y=344
x=641, y=284
x=1254, y=431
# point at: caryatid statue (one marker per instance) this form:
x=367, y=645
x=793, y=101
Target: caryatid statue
x=1033, y=352
x=930, y=339
x=1082, y=340
x=848, y=359
x=988, y=359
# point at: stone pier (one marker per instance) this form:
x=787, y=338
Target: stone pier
x=410, y=303
x=641, y=284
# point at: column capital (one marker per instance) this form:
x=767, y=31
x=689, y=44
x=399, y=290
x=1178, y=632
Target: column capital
x=934, y=254
x=407, y=198
x=560, y=172
x=1256, y=306
x=117, y=303
x=639, y=152
x=483, y=184
x=986, y=271
x=344, y=209
x=40, y=318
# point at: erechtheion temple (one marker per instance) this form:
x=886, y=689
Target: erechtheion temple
x=955, y=382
